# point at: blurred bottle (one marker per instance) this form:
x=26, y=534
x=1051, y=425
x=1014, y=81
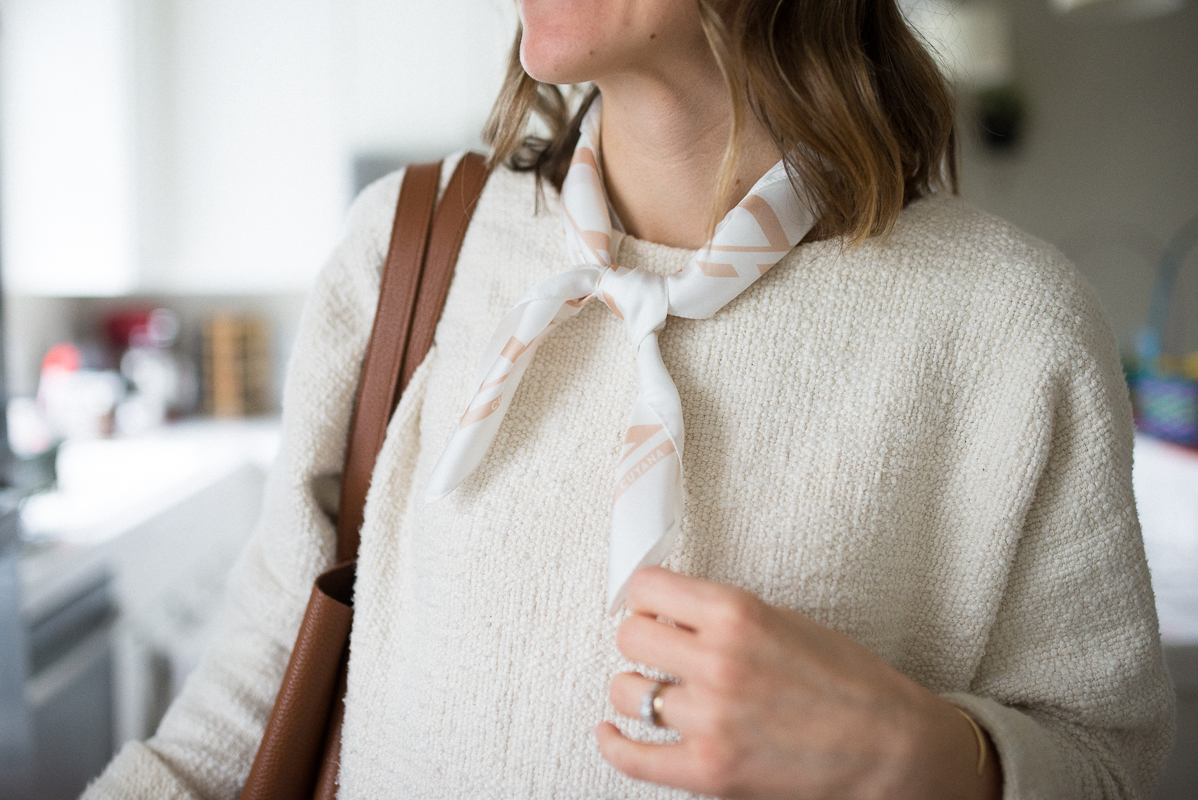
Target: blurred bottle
x=162, y=384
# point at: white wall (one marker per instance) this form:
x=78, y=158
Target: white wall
x=257, y=183
x=1109, y=167
x=269, y=101
x=206, y=146
x=422, y=76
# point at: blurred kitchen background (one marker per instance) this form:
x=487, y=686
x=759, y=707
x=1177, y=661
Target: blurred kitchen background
x=174, y=172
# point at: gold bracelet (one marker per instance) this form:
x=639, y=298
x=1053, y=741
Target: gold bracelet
x=977, y=730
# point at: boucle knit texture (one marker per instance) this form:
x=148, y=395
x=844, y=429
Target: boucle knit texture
x=923, y=442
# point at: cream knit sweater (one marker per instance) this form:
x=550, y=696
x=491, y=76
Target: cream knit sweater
x=923, y=442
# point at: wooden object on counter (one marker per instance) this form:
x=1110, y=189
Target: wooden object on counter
x=236, y=366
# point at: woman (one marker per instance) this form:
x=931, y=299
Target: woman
x=907, y=562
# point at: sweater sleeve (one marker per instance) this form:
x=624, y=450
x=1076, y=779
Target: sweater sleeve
x=1072, y=687
x=208, y=738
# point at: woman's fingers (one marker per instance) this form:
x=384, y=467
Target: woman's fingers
x=698, y=605
x=647, y=641
x=768, y=699
x=669, y=764
x=657, y=592
x=697, y=768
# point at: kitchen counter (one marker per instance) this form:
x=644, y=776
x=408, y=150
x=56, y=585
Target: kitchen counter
x=151, y=525
x=1166, y=485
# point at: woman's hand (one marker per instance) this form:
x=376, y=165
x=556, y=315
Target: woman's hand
x=771, y=704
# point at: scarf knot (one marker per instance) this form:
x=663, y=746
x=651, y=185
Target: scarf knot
x=639, y=298
x=647, y=503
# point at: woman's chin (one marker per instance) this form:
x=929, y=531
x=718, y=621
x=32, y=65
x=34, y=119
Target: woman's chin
x=556, y=63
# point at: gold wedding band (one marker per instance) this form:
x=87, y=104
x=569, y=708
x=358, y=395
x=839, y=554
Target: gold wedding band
x=652, y=704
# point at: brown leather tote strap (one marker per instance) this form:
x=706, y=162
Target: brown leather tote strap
x=415, y=281
x=299, y=756
x=384, y=353
x=445, y=241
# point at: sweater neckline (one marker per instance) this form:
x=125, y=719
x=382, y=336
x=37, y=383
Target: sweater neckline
x=659, y=259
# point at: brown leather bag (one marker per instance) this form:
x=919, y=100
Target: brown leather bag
x=301, y=747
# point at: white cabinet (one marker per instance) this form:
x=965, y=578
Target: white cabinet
x=168, y=146
x=68, y=147
x=206, y=146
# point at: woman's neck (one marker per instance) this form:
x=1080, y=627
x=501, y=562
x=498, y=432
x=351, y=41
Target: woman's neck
x=662, y=145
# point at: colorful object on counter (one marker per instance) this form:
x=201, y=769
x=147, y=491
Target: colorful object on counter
x=75, y=400
x=63, y=357
x=154, y=327
x=1189, y=366
x=1168, y=408
x=129, y=385
x=122, y=326
x=162, y=383
x=1165, y=387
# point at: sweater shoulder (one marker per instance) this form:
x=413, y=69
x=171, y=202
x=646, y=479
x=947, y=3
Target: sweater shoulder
x=996, y=268
x=952, y=227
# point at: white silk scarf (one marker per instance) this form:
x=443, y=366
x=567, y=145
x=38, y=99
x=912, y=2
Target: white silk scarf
x=648, y=502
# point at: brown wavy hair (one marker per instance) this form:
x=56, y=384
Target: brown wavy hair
x=843, y=87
